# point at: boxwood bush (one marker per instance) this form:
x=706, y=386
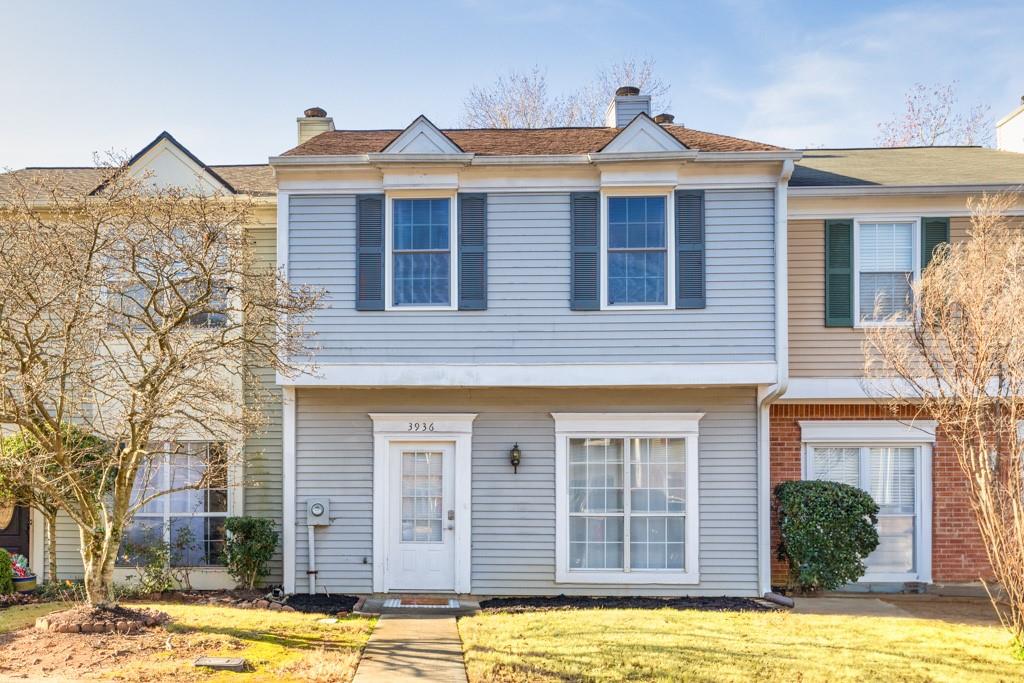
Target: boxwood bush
x=827, y=530
x=249, y=547
x=6, y=573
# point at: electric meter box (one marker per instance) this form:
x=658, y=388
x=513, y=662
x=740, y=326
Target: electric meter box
x=318, y=511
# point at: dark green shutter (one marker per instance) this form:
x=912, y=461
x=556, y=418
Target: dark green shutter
x=934, y=231
x=690, y=260
x=370, y=252
x=472, y=252
x=839, y=273
x=585, y=277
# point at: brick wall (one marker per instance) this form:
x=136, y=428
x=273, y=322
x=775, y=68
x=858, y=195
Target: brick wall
x=957, y=551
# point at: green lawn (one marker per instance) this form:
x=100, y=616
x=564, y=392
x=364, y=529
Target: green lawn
x=670, y=645
x=20, y=616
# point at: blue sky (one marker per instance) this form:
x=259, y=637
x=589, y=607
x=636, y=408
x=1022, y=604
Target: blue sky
x=229, y=78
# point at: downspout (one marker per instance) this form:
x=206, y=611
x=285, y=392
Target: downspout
x=311, y=572
x=766, y=395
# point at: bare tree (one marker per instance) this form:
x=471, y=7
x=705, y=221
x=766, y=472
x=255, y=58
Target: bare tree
x=931, y=118
x=137, y=314
x=524, y=100
x=961, y=356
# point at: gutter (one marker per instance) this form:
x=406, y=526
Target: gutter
x=769, y=394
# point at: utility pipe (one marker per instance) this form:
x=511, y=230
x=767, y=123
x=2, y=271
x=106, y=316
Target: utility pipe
x=311, y=572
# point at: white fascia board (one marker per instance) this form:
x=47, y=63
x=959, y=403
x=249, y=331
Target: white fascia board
x=832, y=389
x=532, y=160
x=327, y=160
x=867, y=431
x=621, y=157
x=772, y=155
x=535, y=375
x=876, y=190
x=381, y=158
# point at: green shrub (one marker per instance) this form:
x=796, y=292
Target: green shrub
x=250, y=544
x=6, y=573
x=827, y=530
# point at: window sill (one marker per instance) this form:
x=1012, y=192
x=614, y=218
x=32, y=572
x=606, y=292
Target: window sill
x=638, y=307
x=627, y=578
x=419, y=309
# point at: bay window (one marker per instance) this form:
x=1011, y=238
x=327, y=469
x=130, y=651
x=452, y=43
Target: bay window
x=627, y=509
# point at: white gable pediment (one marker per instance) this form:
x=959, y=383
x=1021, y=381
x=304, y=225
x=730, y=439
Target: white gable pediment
x=166, y=163
x=422, y=137
x=643, y=135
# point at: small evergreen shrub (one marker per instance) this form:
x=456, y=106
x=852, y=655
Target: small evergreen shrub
x=250, y=544
x=6, y=573
x=827, y=530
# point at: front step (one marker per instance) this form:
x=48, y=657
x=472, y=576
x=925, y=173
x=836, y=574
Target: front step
x=419, y=606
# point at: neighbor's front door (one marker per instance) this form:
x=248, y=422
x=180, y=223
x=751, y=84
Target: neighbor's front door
x=422, y=543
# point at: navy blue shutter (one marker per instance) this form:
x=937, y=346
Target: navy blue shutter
x=472, y=252
x=370, y=252
x=839, y=273
x=934, y=231
x=585, y=279
x=690, y=260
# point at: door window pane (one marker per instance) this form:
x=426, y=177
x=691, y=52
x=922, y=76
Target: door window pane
x=422, y=496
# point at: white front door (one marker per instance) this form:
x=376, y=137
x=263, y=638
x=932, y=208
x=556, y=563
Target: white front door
x=422, y=523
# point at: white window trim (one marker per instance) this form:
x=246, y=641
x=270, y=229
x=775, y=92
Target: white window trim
x=627, y=425
x=884, y=433
x=453, y=428
x=453, y=248
x=916, y=255
x=670, y=247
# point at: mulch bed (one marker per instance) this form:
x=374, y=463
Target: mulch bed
x=567, y=602
x=321, y=603
x=19, y=599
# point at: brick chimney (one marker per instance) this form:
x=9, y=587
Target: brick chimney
x=627, y=103
x=1010, y=130
x=313, y=122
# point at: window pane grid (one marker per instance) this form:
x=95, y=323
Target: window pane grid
x=641, y=531
x=189, y=522
x=637, y=251
x=422, y=497
x=421, y=252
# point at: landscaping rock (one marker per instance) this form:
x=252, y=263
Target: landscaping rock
x=262, y=604
x=287, y=608
x=276, y=606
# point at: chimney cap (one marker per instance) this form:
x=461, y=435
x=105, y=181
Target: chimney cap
x=664, y=118
x=315, y=113
x=627, y=91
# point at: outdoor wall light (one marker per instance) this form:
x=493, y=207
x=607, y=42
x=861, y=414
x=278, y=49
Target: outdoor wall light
x=515, y=456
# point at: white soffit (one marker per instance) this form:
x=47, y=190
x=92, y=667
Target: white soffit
x=867, y=431
x=422, y=137
x=643, y=135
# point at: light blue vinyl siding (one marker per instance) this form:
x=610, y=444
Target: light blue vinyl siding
x=528, y=317
x=513, y=533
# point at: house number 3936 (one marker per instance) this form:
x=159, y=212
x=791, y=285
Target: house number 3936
x=421, y=426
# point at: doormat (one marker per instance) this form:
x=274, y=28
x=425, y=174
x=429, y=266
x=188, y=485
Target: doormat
x=426, y=603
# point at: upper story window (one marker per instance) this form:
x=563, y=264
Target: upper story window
x=421, y=252
x=887, y=264
x=637, y=259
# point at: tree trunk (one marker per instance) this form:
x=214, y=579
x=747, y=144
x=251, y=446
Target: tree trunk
x=98, y=559
x=51, y=545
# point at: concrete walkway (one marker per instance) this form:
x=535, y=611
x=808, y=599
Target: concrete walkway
x=420, y=648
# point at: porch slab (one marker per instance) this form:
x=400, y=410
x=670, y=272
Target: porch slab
x=419, y=606
x=424, y=648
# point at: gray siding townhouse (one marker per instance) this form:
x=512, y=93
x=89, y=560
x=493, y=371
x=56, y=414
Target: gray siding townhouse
x=544, y=358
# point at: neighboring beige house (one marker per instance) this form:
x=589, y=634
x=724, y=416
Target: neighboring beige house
x=576, y=360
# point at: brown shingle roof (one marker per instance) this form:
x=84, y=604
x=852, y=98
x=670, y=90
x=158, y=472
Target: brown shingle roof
x=252, y=179
x=519, y=141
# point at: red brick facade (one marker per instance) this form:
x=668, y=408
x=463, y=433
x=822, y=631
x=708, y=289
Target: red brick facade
x=957, y=552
